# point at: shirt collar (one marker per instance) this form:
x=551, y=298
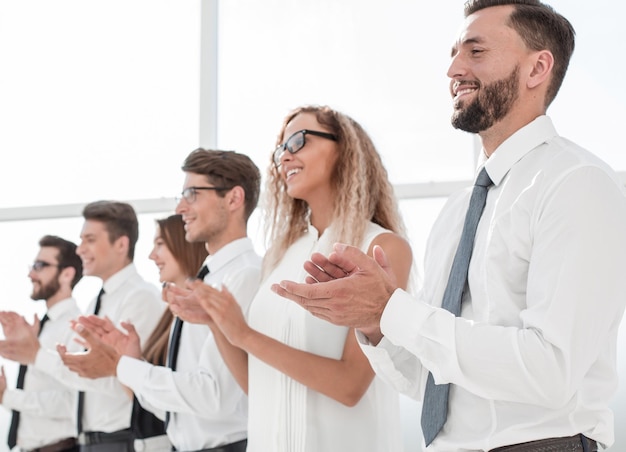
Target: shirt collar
x=60, y=308
x=514, y=148
x=227, y=253
x=119, y=278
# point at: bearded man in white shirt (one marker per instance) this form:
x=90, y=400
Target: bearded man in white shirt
x=531, y=359
x=44, y=410
x=108, y=238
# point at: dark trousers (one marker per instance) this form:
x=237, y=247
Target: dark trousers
x=239, y=446
x=109, y=447
x=576, y=443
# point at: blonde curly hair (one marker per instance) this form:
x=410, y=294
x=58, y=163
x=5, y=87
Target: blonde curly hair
x=362, y=191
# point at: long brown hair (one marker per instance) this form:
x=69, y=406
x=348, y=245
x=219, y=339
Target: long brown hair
x=190, y=257
x=362, y=191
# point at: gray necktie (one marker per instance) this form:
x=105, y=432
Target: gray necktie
x=435, y=405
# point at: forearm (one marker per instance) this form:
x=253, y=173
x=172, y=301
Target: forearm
x=50, y=362
x=235, y=358
x=49, y=404
x=344, y=380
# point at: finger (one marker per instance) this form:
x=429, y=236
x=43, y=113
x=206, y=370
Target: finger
x=61, y=349
x=130, y=328
x=81, y=342
x=349, y=258
x=85, y=333
x=306, y=295
x=310, y=280
x=331, y=269
x=192, y=283
x=316, y=273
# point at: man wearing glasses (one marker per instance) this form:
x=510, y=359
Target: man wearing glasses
x=201, y=402
x=43, y=410
x=108, y=238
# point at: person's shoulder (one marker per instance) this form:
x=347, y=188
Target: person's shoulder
x=392, y=243
x=140, y=288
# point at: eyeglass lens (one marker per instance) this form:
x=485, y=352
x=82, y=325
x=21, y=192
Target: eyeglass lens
x=39, y=265
x=293, y=144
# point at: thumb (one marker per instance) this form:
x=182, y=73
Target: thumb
x=381, y=257
x=83, y=332
x=130, y=328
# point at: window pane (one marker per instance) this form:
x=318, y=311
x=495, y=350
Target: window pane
x=383, y=65
x=99, y=99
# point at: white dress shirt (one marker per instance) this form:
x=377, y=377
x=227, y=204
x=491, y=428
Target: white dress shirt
x=47, y=408
x=127, y=297
x=207, y=406
x=533, y=354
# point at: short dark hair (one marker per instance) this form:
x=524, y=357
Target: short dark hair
x=227, y=169
x=119, y=220
x=66, y=255
x=541, y=28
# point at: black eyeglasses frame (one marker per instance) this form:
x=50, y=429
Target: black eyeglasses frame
x=280, y=149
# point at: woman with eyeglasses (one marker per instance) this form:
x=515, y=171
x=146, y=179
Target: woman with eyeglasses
x=310, y=387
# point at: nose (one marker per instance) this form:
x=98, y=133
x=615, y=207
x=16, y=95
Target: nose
x=181, y=207
x=80, y=249
x=286, y=156
x=457, y=66
x=153, y=254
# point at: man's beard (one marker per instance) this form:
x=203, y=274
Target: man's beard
x=494, y=102
x=46, y=291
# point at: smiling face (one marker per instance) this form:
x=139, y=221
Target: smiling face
x=207, y=217
x=169, y=268
x=485, y=70
x=45, y=280
x=100, y=257
x=307, y=173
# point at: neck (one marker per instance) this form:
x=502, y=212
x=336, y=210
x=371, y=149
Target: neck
x=114, y=270
x=497, y=134
x=215, y=244
x=322, y=216
x=61, y=295
x=182, y=280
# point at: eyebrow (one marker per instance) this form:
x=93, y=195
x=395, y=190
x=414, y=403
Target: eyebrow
x=466, y=42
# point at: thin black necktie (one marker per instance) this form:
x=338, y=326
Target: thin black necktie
x=15, y=418
x=435, y=404
x=81, y=394
x=172, y=354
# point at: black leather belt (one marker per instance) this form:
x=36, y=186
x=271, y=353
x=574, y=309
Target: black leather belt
x=64, y=444
x=120, y=436
x=570, y=443
x=239, y=446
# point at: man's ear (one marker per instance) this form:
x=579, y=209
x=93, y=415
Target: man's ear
x=236, y=198
x=121, y=245
x=67, y=275
x=543, y=63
